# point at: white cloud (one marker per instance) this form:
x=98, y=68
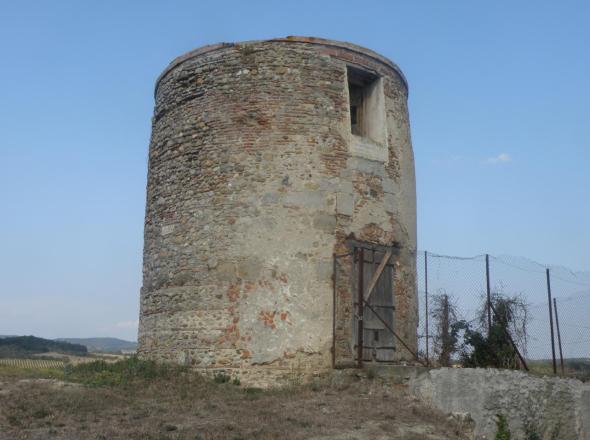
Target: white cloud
x=127, y=324
x=501, y=158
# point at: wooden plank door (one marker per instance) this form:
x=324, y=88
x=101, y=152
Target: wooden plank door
x=378, y=341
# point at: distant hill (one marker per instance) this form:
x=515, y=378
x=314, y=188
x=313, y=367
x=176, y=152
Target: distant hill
x=103, y=345
x=18, y=346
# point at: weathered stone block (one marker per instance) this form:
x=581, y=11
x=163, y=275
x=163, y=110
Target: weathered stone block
x=344, y=203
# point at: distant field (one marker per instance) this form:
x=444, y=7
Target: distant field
x=37, y=364
x=59, y=360
x=578, y=368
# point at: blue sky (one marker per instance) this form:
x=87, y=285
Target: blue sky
x=499, y=107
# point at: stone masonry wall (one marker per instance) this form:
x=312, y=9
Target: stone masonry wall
x=548, y=407
x=252, y=188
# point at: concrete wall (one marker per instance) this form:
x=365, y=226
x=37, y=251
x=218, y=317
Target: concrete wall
x=554, y=408
x=253, y=185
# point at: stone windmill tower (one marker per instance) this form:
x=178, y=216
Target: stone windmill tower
x=281, y=184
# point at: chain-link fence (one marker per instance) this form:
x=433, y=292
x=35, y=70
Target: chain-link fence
x=456, y=322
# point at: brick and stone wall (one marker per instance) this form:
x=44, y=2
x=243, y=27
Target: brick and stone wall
x=255, y=181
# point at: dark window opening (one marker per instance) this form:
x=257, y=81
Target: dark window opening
x=361, y=92
x=353, y=117
x=356, y=105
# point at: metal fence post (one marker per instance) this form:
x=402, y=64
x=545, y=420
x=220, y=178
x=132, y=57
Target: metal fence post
x=426, y=302
x=551, y=322
x=558, y=337
x=360, y=324
x=489, y=294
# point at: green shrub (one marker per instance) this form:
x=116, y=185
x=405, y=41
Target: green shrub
x=221, y=378
x=371, y=373
x=530, y=431
x=40, y=413
x=101, y=373
x=503, y=432
x=555, y=431
x=493, y=351
x=253, y=393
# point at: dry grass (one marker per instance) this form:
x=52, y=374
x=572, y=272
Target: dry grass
x=187, y=406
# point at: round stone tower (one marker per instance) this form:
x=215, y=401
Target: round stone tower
x=271, y=165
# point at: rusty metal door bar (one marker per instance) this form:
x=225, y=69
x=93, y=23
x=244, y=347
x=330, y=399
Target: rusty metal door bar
x=366, y=304
x=376, y=274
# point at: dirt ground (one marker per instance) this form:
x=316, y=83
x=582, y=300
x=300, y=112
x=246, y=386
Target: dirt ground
x=197, y=408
